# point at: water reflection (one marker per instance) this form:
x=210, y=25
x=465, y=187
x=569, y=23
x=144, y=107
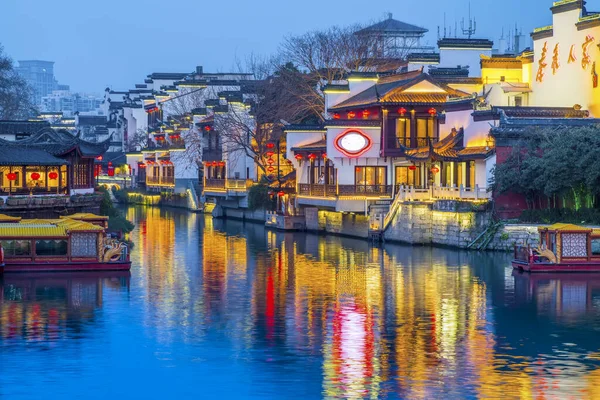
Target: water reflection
x=253, y=313
x=46, y=307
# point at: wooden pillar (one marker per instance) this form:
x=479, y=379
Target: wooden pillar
x=46, y=177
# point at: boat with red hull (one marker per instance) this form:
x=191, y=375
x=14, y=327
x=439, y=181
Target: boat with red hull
x=73, y=243
x=563, y=248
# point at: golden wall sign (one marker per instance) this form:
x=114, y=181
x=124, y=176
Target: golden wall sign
x=572, y=57
x=555, y=64
x=542, y=63
x=586, y=59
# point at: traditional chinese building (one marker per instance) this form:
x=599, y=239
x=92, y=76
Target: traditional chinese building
x=48, y=162
x=392, y=135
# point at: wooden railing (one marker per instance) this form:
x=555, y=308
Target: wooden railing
x=214, y=183
x=160, y=180
x=230, y=184
x=344, y=190
x=411, y=193
x=317, y=190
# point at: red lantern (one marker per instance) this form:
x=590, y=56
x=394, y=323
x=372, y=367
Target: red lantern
x=53, y=175
x=99, y=158
x=11, y=176
x=312, y=156
x=270, y=161
x=366, y=114
x=221, y=163
x=207, y=128
x=351, y=114
x=214, y=163
x=269, y=153
x=298, y=157
x=270, y=145
x=141, y=165
x=412, y=167
x=336, y=116
x=402, y=111
x=111, y=169
x=271, y=168
x=432, y=111
x=324, y=155
x=435, y=170
x=35, y=176
x=281, y=193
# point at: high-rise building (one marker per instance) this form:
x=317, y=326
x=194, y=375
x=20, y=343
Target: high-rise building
x=40, y=75
x=70, y=103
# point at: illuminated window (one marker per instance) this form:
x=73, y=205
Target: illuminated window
x=406, y=177
x=368, y=176
x=403, y=131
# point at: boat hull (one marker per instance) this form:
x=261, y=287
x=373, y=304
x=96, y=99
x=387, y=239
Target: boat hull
x=66, y=266
x=559, y=267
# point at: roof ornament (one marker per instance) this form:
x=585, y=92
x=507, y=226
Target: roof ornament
x=390, y=15
x=503, y=117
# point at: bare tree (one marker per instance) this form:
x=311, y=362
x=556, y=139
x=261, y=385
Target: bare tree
x=324, y=57
x=15, y=94
x=138, y=140
x=184, y=101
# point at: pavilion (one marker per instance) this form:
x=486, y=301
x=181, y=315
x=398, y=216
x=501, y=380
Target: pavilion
x=48, y=162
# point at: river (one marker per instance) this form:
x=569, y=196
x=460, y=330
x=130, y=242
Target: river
x=223, y=309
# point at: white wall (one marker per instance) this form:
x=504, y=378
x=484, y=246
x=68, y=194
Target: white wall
x=451, y=58
x=571, y=84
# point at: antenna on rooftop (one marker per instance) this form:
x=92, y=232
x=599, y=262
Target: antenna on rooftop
x=444, y=25
x=470, y=30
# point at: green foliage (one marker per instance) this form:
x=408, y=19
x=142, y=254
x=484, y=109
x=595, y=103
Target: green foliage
x=556, y=165
x=258, y=197
x=116, y=220
x=565, y=215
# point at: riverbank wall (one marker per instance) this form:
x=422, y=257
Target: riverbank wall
x=439, y=224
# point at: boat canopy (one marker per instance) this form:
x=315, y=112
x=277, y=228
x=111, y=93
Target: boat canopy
x=35, y=228
x=560, y=227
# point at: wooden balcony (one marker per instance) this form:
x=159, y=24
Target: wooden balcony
x=227, y=187
x=160, y=180
x=344, y=190
x=411, y=193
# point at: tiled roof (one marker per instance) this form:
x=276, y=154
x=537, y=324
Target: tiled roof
x=58, y=143
x=390, y=91
x=438, y=72
x=353, y=122
x=391, y=25
x=168, y=75
x=8, y=127
x=448, y=149
x=424, y=57
x=304, y=128
x=22, y=155
x=319, y=145
x=464, y=43
x=516, y=127
x=91, y=120
x=530, y=112
x=514, y=62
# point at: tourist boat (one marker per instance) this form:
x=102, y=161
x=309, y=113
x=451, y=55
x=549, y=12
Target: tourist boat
x=563, y=248
x=73, y=243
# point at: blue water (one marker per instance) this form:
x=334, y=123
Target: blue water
x=216, y=309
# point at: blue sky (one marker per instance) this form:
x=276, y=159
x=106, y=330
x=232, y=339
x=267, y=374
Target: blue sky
x=117, y=43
